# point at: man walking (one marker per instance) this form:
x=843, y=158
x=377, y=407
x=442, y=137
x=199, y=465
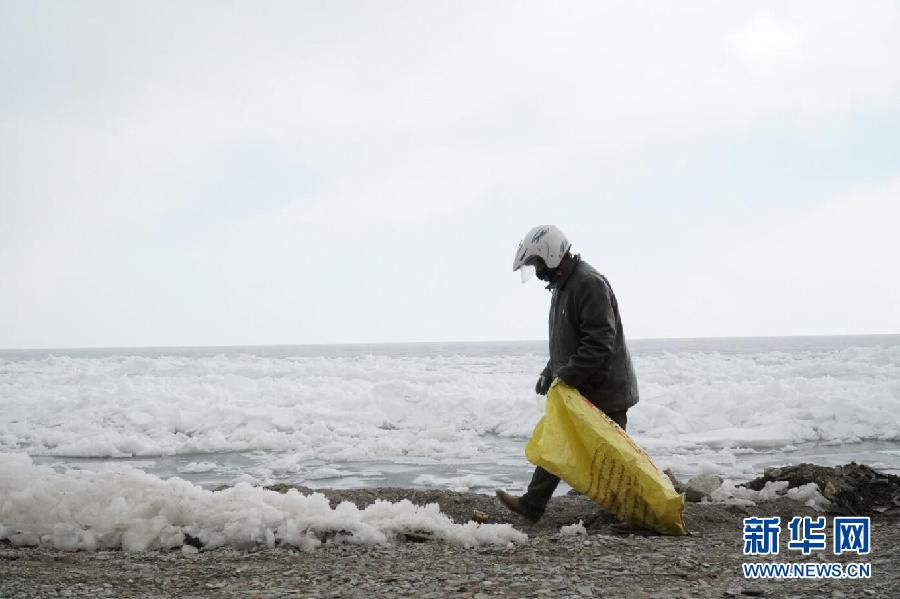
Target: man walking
x=587, y=344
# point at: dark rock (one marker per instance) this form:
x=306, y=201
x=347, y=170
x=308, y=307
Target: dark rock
x=852, y=488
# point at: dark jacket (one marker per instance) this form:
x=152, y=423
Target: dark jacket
x=587, y=345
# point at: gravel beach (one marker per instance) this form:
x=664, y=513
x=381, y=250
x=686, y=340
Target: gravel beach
x=599, y=563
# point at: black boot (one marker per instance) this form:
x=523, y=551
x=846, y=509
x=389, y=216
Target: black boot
x=514, y=504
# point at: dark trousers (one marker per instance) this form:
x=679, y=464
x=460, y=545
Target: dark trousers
x=542, y=484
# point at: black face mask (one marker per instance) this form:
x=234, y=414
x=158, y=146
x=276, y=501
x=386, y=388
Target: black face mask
x=545, y=274
x=540, y=269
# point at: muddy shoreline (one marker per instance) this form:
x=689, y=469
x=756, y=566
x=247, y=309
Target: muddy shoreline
x=600, y=563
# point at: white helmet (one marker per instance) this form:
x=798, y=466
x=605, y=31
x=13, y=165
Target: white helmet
x=544, y=241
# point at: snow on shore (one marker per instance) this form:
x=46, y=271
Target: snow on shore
x=122, y=507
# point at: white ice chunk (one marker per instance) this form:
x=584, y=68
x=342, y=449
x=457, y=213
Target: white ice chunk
x=810, y=496
x=573, y=529
x=731, y=493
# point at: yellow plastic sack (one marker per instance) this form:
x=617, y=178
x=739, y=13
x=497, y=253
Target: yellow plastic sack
x=581, y=445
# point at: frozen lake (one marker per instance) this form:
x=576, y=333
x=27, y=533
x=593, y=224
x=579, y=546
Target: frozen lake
x=449, y=415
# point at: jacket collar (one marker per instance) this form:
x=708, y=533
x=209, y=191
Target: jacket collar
x=562, y=274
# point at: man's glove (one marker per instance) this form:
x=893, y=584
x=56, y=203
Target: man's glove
x=542, y=385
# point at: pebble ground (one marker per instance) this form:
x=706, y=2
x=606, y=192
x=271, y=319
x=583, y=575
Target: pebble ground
x=599, y=564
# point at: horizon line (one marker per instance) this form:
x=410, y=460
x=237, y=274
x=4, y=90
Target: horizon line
x=453, y=342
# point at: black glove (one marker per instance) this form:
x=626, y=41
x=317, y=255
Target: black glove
x=542, y=385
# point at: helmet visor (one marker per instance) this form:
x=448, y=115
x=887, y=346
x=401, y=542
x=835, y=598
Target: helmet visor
x=526, y=271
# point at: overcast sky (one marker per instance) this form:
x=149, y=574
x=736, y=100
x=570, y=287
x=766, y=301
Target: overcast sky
x=224, y=173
